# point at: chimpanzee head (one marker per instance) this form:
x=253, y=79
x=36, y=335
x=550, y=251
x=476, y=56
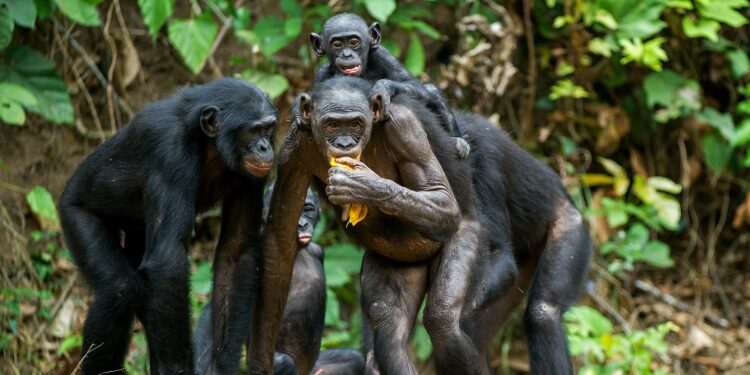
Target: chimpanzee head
x=347, y=40
x=308, y=218
x=340, y=116
x=240, y=120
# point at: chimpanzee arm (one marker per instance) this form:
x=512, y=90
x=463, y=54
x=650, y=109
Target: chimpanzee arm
x=280, y=245
x=234, y=275
x=424, y=200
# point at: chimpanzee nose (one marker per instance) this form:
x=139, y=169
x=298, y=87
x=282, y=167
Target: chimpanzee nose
x=263, y=146
x=344, y=143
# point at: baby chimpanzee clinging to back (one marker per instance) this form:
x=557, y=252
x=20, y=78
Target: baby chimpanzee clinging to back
x=353, y=49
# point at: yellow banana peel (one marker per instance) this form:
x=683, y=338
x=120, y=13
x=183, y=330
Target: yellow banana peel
x=357, y=211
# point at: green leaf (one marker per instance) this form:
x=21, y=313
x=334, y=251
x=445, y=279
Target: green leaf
x=656, y=253
x=6, y=27
x=615, y=212
x=272, y=84
x=739, y=62
x=44, y=8
x=705, y=28
x=723, y=11
x=43, y=207
x=620, y=181
x=12, y=113
x=193, y=39
x=16, y=93
x=155, y=13
x=719, y=121
x=35, y=72
x=414, y=61
x=345, y=256
x=80, y=11
x=742, y=134
x=676, y=94
x=422, y=343
x=292, y=8
x=716, y=153
x=600, y=47
x=392, y=47
x=70, y=343
x=380, y=9
x=333, y=310
x=269, y=34
x=635, y=18
x=565, y=88
x=589, y=321
x=23, y=12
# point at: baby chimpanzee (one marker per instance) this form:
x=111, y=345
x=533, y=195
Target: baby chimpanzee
x=298, y=343
x=353, y=49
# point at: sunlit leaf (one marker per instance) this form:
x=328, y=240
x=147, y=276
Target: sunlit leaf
x=739, y=61
x=414, y=61
x=272, y=84
x=704, y=28
x=81, y=11
x=12, y=113
x=192, y=38
x=69, y=343
x=380, y=9
x=155, y=13
x=720, y=121
x=6, y=27
x=43, y=207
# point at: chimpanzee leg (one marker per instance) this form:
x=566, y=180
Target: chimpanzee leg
x=203, y=341
x=97, y=252
x=454, y=351
x=498, y=273
x=391, y=296
x=437, y=103
x=558, y=279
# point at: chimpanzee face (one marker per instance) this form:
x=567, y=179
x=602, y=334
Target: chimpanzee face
x=347, y=41
x=308, y=219
x=242, y=128
x=340, y=119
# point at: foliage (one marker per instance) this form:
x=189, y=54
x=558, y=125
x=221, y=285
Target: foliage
x=591, y=337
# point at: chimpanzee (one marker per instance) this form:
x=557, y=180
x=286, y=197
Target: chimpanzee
x=429, y=225
x=354, y=50
x=298, y=344
x=128, y=211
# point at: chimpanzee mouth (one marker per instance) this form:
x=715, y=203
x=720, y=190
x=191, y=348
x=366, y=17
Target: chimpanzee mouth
x=257, y=169
x=351, y=70
x=304, y=238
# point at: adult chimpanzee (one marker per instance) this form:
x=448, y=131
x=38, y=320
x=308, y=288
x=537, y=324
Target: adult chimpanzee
x=298, y=345
x=128, y=211
x=354, y=50
x=429, y=215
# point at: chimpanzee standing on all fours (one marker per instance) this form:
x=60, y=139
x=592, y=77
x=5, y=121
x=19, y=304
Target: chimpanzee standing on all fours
x=128, y=211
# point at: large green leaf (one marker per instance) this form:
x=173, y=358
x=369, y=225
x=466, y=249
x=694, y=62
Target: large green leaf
x=6, y=27
x=716, y=153
x=192, y=38
x=675, y=94
x=81, y=11
x=739, y=61
x=414, y=61
x=380, y=9
x=272, y=84
x=705, y=28
x=720, y=121
x=271, y=34
x=724, y=11
x=12, y=97
x=155, y=13
x=12, y=113
x=36, y=73
x=635, y=18
x=22, y=11
x=43, y=207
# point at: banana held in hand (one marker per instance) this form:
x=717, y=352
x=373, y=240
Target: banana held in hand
x=357, y=211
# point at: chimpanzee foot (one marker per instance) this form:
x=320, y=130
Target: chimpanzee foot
x=462, y=147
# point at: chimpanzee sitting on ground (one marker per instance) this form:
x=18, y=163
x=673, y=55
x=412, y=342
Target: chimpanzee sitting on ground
x=354, y=50
x=298, y=343
x=128, y=211
x=431, y=222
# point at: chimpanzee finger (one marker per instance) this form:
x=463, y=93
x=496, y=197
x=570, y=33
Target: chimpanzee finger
x=349, y=161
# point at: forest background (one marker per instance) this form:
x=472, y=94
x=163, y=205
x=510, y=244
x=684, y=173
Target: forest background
x=641, y=106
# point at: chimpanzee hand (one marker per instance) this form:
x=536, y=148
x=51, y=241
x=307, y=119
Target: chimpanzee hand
x=359, y=185
x=381, y=92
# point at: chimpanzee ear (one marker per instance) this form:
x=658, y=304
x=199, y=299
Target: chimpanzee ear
x=374, y=35
x=377, y=105
x=316, y=42
x=210, y=121
x=305, y=108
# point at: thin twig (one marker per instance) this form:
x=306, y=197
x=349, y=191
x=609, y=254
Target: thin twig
x=680, y=305
x=626, y=327
x=94, y=69
x=13, y=188
x=111, y=71
x=528, y=119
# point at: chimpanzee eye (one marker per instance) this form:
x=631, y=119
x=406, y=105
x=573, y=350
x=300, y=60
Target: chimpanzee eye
x=356, y=125
x=337, y=44
x=330, y=126
x=354, y=42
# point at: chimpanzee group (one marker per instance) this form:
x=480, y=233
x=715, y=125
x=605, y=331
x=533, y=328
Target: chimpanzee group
x=455, y=212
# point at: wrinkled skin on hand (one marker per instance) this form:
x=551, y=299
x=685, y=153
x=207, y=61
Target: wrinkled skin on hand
x=359, y=185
